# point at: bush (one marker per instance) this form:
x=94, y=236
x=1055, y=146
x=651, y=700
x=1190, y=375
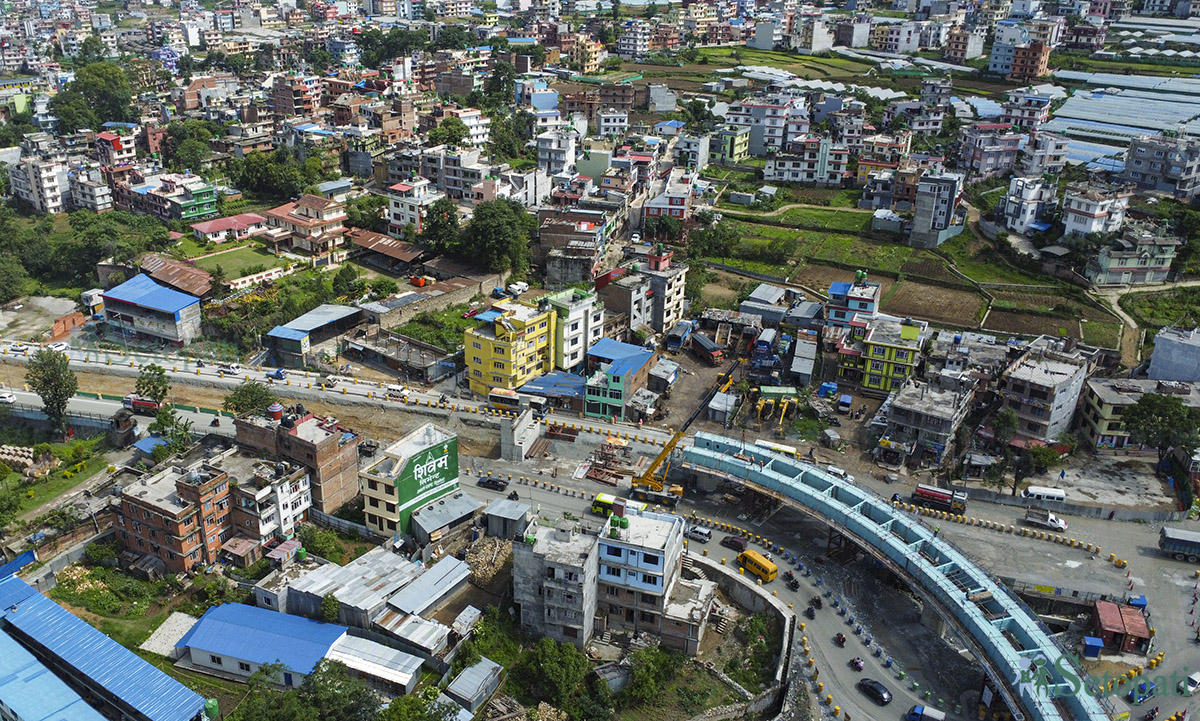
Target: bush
x=98, y=553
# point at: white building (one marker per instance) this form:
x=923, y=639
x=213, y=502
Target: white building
x=635, y=43
x=811, y=160
x=1027, y=202
x=1042, y=387
x=1176, y=355
x=612, y=123
x=41, y=183
x=408, y=202
x=556, y=150
x=580, y=326
x=1043, y=152
x=1095, y=207
x=268, y=505
x=479, y=126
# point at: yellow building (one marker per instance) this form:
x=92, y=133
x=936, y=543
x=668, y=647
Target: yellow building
x=880, y=354
x=587, y=54
x=513, y=343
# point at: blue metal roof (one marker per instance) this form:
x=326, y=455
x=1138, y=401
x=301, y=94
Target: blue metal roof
x=141, y=290
x=33, y=692
x=839, y=287
x=286, y=333
x=488, y=316
x=261, y=636
x=106, y=663
x=607, y=349
x=630, y=363
x=558, y=384
x=149, y=443
x=17, y=564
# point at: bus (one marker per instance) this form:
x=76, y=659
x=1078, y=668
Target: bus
x=503, y=399
x=603, y=505
x=138, y=404
x=757, y=564
x=778, y=448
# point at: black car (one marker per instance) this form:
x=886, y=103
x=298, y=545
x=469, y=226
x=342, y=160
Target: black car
x=496, y=484
x=877, y=691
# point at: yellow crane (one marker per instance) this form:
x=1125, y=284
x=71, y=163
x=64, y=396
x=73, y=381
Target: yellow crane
x=649, y=486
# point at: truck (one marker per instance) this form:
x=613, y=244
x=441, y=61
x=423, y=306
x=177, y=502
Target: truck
x=1180, y=544
x=1045, y=519
x=678, y=338
x=138, y=404
x=707, y=349
x=939, y=499
x=278, y=374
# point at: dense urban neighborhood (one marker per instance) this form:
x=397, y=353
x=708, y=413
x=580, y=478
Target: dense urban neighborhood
x=589, y=360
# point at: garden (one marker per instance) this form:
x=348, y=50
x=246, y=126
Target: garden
x=443, y=328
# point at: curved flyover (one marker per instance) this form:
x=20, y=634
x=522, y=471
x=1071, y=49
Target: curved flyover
x=1001, y=627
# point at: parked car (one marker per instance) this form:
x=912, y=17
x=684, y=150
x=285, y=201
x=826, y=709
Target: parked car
x=496, y=484
x=875, y=690
x=734, y=542
x=703, y=535
x=471, y=313
x=7, y=397
x=18, y=347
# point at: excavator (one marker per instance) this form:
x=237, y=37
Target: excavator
x=649, y=486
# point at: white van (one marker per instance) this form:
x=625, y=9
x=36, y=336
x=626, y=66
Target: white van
x=1188, y=686
x=398, y=392
x=1041, y=493
x=839, y=472
x=925, y=713
x=696, y=533
x=231, y=368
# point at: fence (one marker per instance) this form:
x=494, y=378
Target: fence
x=340, y=524
x=1072, y=509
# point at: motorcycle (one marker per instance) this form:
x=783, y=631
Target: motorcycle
x=514, y=496
x=1151, y=714
x=789, y=576
x=816, y=601
x=835, y=422
x=216, y=422
x=841, y=639
x=794, y=585
x=443, y=400
x=199, y=363
x=856, y=663
x=810, y=613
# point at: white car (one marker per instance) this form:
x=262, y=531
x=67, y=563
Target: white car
x=635, y=238
x=18, y=347
x=7, y=398
x=59, y=347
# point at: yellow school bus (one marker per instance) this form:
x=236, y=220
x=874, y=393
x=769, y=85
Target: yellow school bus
x=754, y=562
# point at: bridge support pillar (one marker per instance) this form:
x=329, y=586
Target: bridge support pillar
x=931, y=620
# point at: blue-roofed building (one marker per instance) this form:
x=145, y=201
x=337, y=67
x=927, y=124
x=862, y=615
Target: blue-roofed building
x=144, y=449
x=235, y=639
x=288, y=344
x=561, y=389
x=847, y=300
x=30, y=692
x=116, y=682
x=141, y=308
x=669, y=128
x=617, y=372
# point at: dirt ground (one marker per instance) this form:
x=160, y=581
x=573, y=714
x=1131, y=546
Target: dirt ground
x=28, y=319
x=1003, y=321
x=1113, y=481
x=921, y=300
x=818, y=277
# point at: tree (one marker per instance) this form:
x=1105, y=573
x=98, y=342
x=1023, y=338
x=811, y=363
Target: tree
x=650, y=668
x=1163, y=422
x=651, y=9
x=717, y=241
x=176, y=431
x=366, y=211
x=451, y=131
x=99, y=93
x=91, y=50
x=501, y=84
x=152, y=383
x=415, y=707
x=346, y=282
x=249, y=396
x=383, y=287
x=440, y=233
x=265, y=701
x=14, y=281
x=334, y=695
x=552, y=671
x=497, y=236
x=1043, y=457
x=1004, y=426
x=453, y=37
x=616, y=10
x=49, y=374
x=191, y=154
x=329, y=608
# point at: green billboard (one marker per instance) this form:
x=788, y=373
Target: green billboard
x=428, y=475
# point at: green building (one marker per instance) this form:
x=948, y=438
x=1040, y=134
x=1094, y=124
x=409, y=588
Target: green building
x=413, y=472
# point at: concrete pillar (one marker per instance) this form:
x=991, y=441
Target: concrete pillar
x=931, y=620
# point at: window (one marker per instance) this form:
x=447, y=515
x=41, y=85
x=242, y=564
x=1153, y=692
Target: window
x=878, y=350
x=216, y=660
x=650, y=559
x=650, y=579
x=613, y=550
x=476, y=345
x=243, y=666
x=611, y=571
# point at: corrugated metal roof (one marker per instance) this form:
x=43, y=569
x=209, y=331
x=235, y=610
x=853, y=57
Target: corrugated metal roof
x=143, y=291
x=320, y=316
x=15, y=565
x=285, y=333
x=436, y=582
x=33, y=692
x=376, y=660
x=444, y=511
x=255, y=634
x=506, y=508
x=556, y=384
x=106, y=663
x=430, y=636
x=365, y=582
x=473, y=682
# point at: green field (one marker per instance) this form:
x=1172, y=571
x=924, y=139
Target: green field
x=832, y=220
x=979, y=261
x=1155, y=310
x=236, y=262
x=1105, y=335
x=806, y=67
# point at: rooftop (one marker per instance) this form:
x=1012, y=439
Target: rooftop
x=33, y=693
x=142, y=291
x=1045, y=369
x=646, y=530
x=159, y=490
x=408, y=446
x=364, y=583
x=376, y=660
x=1127, y=391
x=262, y=636
x=438, y=580
x=929, y=400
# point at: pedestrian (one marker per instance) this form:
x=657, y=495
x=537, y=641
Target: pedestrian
x=936, y=529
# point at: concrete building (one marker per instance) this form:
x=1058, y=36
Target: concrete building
x=1025, y=110
x=141, y=308
x=580, y=326
x=270, y=501
x=1044, y=152
x=616, y=373
x=772, y=120
x=495, y=359
x=555, y=582
x=556, y=150
x=1143, y=254
x=1094, y=207
x=40, y=177
x=811, y=35
x=666, y=284
x=988, y=149
x=1016, y=54
x=857, y=301
x=88, y=188
x=408, y=203
x=612, y=123
x=883, y=356
x=1027, y=203
x=327, y=450
x=113, y=149
x=418, y=469
x=1165, y=162
x=692, y=150
x=937, y=211
x=730, y=144
x=1106, y=399
x=479, y=126
x=922, y=423
x=811, y=160
x=962, y=45
x=627, y=293
x=167, y=196
x=1176, y=355
x=179, y=515
x=634, y=43
x=1042, y=387
x=296, y=95
x=312, y=225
